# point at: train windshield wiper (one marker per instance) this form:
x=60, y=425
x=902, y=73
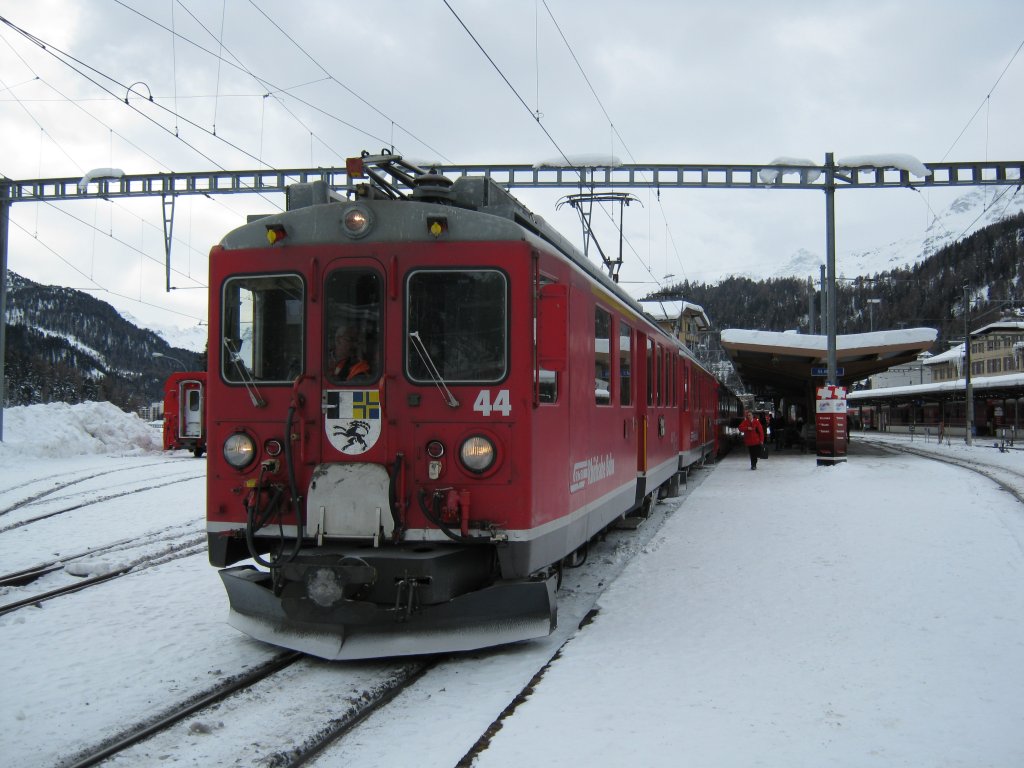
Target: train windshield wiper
x=421, y=350
x=247, y=379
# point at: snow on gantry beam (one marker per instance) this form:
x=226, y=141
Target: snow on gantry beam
x=792, y=175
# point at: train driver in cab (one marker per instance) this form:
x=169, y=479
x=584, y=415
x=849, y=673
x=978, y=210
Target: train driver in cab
x=349, y=363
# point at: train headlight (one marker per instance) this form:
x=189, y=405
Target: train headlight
x=356, y=221
x=477, y=454
x=239, y=450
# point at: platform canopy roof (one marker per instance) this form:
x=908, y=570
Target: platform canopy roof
x=781, y=363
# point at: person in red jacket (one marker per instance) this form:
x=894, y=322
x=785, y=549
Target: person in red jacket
x=753, y=437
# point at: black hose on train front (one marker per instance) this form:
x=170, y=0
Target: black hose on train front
x=256, y=519
x=434, y=516
x=289, y=460
x=393, y=495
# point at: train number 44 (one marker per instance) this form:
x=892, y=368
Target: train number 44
x=501, y=403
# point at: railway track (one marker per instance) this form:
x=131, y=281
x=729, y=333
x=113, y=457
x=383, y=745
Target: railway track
x=298, y=711
x=127, y=748
x=171, y=545
x=57, y=485
x=99, y=497
x=139, y=733
x=1009, y=479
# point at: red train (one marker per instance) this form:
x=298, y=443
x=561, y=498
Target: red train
x=422, y=404
x=185, y=412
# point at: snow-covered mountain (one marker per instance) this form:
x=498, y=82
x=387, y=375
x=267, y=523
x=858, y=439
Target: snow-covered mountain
x=975, y=209
x=192, y=337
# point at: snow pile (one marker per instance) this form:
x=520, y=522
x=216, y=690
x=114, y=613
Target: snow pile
x=100, y=567
x=899, y=161
x=580, y=161
x=59, y=430
x=896, y=160
x=796, y=165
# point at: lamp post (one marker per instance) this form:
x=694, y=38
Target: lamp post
x=968, y=390
x=171, y=357
x=871, y=311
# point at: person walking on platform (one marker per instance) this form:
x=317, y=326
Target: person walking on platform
x=753, y=437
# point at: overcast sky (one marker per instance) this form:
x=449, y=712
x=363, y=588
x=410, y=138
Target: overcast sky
x=676, y=81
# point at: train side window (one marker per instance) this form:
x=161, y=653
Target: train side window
x=551, y=337
x=262, y=330
x=625, y=369
x=602, y=357
x=456, y=326
x=686, y=385
x=673, y=378
x=547, y=386
x=352, y=326
x=650, y=371
x=659, y=361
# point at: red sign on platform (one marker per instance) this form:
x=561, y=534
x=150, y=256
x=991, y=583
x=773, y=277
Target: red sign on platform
x=830, y=424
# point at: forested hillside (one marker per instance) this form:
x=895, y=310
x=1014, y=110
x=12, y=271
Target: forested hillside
x=65, y=345
x=930, y=294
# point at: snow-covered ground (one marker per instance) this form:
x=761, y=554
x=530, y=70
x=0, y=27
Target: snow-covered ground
x=870, y=613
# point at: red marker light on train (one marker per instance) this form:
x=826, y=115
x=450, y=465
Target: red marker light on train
x=354, y=167
x=275, y=233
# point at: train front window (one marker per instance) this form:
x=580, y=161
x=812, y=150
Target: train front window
x=353, y=331
x=262, y=330
x=456, y=326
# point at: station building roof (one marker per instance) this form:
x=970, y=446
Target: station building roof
x=781, y=363
x=1006, y=385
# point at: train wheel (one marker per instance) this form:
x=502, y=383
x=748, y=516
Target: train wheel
x=672, y=486
x=577, y=558
x=645, y=507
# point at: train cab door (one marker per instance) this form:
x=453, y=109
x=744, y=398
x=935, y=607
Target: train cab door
x=349, y=495
x=627, y=392
x=351, y=354
x=192, y=410
x=643, y=367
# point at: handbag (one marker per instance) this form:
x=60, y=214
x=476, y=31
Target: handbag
x=764, y=450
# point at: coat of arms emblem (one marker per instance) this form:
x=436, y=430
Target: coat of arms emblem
x=352, y=419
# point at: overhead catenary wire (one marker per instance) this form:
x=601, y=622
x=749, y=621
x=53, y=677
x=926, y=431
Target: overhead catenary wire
x=615, y=131
x=66, y=59
x=270, y=90
x=78, y=167
x=100, y=287
x=512, y=88
x=220, y=42
x=537, y=118
x=984, y=101
x=126, y=244
x=342, y=85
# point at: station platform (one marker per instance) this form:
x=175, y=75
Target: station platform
x=866, y=613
